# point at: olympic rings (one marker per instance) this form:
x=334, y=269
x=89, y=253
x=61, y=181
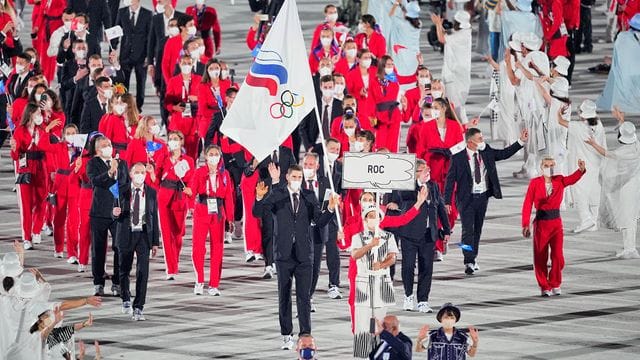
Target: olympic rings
x=284, y=108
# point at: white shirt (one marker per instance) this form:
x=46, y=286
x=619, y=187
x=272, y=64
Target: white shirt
x=329, y=106
x=55, y=41
x=314, y=186
x=166, y=22
x=141, y=208
x=291, y=192
x=482, y=186
x=420, y=185
x=136, y=12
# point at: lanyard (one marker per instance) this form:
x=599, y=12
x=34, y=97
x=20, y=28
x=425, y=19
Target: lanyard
x=211, y=188
x=185, y=89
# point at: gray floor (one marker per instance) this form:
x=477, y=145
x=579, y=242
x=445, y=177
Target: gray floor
x=597, y=316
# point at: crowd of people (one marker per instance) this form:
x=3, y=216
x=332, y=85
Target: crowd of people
x=111, y=183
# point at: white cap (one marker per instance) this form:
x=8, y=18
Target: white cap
x=516, y=41
x=532, y=42
x=588, y=109
x=10, y=265
x=560, y=87
x=463, y=18
x=627, y=133
x=562, y=65
x=541, y=60
x=29, y=286
x=413, y=10
x=371, y=208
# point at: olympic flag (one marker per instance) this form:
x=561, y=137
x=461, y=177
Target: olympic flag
x=277, y=92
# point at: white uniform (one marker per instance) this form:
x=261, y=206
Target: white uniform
x=507, y=125
x=456, y=69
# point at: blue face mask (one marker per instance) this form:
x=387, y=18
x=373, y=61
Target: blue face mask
x=307, y=353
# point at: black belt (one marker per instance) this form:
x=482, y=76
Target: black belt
x=85, y=185
x=47, y=17
x=63, y=171
x=388, y=106
x=120, y=146
x=35, y=155
x=206, y=33
x=202, y=199
x=172, y=184
x=547, y=214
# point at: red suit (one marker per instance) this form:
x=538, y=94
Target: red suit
x=571, y=12
x=208, y=105
x=212, y=224
x=342, y=66
x=384, y=94
x=33, y=178
x=252, y=233
x=170, y=57
x=17, y=109
x=137, y=152
x=355, y=84
x=85, y=196
x=67, y=188
x=412, y=113
x=49, y=20
x=548, y=233
x=376, y=43
x=552, y=17
x=315, y=41
x=624, y=10
x=338, y=133
x=207, y=24
x=172, y=209
x=178, y=92
x=115, y=128
x=319, y=53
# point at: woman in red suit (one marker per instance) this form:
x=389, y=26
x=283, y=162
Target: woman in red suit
x=411, y=107
x=213, y=189
x=120, y=125
x=211, y=93
x=370, y=37
x=181, y=100
x=49, y=20
x=173, y=201
x=29, y=145
x=252, y=233
x=436, y=139
x=344, y=129
x=328, y=48
x=66, y=189
x=206, y=21
x=358, y=80
x=17, y=108
x=54, y=116
x=348, y=59
x=137, y=149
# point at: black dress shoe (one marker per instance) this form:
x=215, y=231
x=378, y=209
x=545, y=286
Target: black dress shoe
x=469, y=269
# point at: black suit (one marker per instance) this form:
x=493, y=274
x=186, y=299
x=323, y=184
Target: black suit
x=309, y=130
x=472, y=207
x=92, y=112
x=138, y=242
x=293, y=250
x=419, y=236
x=99, y=16
x=14, y=88
x=101, y=213
x=6, y=54
x=133, y=50
x=398, y=347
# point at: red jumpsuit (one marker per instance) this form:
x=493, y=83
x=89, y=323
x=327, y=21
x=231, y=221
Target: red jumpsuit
x=552, y=17
x=338, y=133
x=376, y=43
x=172, y=208
x=207, y=24
x=208, y=105
x=548, y=233
x=178, y=92
x=355, y=84
x=86, y=194
x=384, y=94
x=413, y=96
x=170, y=57
x=137, y=152
x=67, y=189
x=49, y=20
x=31, y=192
x=116, y=129
x=212, y=224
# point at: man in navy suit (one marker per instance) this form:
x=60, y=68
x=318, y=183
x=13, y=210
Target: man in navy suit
x=295, y=210
x=474, y=172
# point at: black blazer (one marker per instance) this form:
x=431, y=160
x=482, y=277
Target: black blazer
x=292, y=227
x=103, y=202
x=155, y=46
x=135, y=39
x=433, y=209
x=399, y=347
x=123, y=232
x=285, y=160
x=460, y=174
x=99, y=16
x=11, y=85
x=7, y=53
x=91, y=114
x=309, y=130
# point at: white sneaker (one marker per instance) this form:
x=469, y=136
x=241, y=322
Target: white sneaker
x=628, y=254
x=28, y=245
x=476, y=267
x=126, y=307
x=259, y=257
x=424, y=307
x=214, y=291
x=408, y=303
x=82, y=268
x=556, y=291
x=58, y=255
x=546, y=293
x=228, y=239
x=268, y=273
x=36, y=238
x=249, y=257
x=313, y=306
x=438, y=256
x=334, y=293
x=72, y=260
x=198, y=289
x=287, y=342
x=584, y=226
x=171, y=277
x=47, y=230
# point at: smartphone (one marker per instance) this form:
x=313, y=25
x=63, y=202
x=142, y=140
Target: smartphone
x=43, y=97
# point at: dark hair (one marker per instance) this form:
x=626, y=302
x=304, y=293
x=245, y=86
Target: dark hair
x=592, y=121
x=101, y=80
x=70, y=126
x=382, y=63
x=326, y=8
x=29, y=110
x=367, y=134
x=448, y=113
x=24, y=56
x=368, y=19
x=69, y=11
x=94, y=57
x=230, y=91
x=294, y=167
x=205, y=76
x=91, y=144
x=77, y=41
x=36, y=324
x=84, y=16
x=331, y=140
x=212, y=146
x=362, y=52
x=54, y=99
x=471, y=132
x=183, y=20
x=7, y=283
x=326, y=79
x=32, y=96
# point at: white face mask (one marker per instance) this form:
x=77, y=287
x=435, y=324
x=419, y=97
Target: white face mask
x=309, y=173
x=106, y=152
x=173, y=144
x=67, y=26
x=350, y=132
x=424, y=81
x=213, y=159
x=351, y=52
x=435, y=113
x=81, y=54
x=323, y=71
x=195, y=54
x=38, y=120
x=366, y=63
x=186, y=69
x=358, y=146
x=325, y=41
x=327, y=93
x=20, y=68
x=547, y=172
x=191, y=30
x=332, y=17
x=38, y=97
x=80, y=27
x=360, y=27
x=365, y=204
x=154, y=130
x=119, y=108
x=372, y=224
x=332, y=157
x=388, y=70
x=224, y=74
x=173, y=31
x=108, y=93
x=214, y=74
x=482, y=146
x=295, y=185
x=338, y=89
x=448, y=323
x=159, y=8
x=436, y=94
x=138, y=179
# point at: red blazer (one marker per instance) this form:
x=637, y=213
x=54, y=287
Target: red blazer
x=207, y=107
x=413, y=99
x=230, y=147
x=315, y=41
x=430, y=140
x=317, y=55
x=355, y=84
x=537, y=194
x=115, y=128
x=45, y=26
x=571, y=11
x=551, y=16
x=342, y=66
x=200, y=185
x=65, y=164
x=164, y=169
x=170, y=57
x=137, y=152
x=376, y=43
x=17, y=110
x=174, y=95
x=251, y=40
x=24, y=144
x=56, y=115
x=338, y=133
x=207, y=23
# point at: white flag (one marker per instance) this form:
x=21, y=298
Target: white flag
x=277, y=92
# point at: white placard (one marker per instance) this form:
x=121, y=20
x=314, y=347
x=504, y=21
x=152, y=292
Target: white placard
x=113, y=32
x=181, y=168
x=379, y=171
x=77, y=140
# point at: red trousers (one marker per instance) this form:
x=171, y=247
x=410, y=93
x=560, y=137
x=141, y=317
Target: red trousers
x=32, y=203
x=548, y=236
x=173, y=213
x=213, y=226
x=252, y=234
x=353, y=271
x=66, y=212
x=84, y=245
x=388, y=136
